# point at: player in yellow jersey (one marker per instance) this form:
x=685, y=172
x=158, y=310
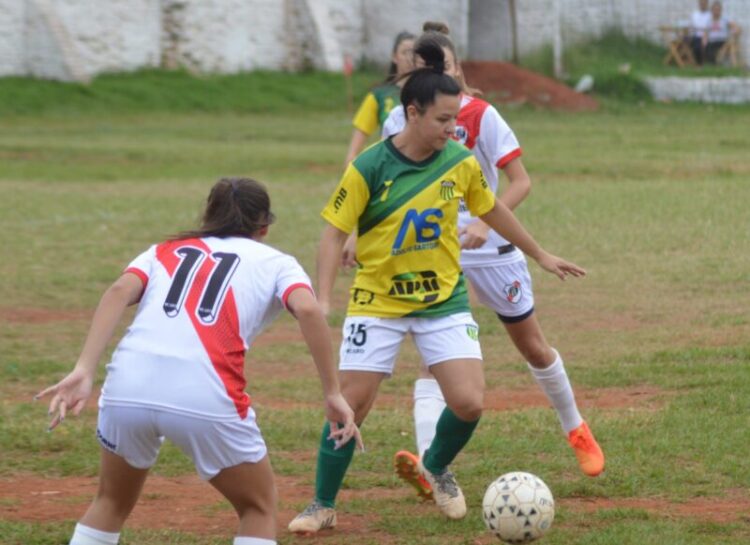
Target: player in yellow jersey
x=402, y=195
x=381, y=99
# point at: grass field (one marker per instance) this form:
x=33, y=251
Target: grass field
x=651, y=199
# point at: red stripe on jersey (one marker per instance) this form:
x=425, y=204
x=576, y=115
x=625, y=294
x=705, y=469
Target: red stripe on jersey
x=470, y=119
x=508, y=157
x=139, y=273
x=290, y=289
x=221, y=339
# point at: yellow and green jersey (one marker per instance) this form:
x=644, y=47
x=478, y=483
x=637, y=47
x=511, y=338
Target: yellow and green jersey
x=375, y=107
x=406, y=215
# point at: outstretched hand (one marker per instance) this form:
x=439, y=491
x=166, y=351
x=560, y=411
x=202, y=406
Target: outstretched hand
x=559, y=267
x=341, y=419
x=70, y=395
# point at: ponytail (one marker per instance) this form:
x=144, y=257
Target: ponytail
x=425, y=83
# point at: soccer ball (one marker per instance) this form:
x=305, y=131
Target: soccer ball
x=518, y=507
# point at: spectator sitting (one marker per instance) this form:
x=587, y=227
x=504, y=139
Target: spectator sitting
x=700, y=20
x=718, y=32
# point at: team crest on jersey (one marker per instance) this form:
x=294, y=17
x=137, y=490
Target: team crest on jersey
x=513, y=292
x=362, y=297
x=446, y=189
x=461, y=135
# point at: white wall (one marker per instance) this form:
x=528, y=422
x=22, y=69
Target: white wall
x=66, y=39
x=12, y=56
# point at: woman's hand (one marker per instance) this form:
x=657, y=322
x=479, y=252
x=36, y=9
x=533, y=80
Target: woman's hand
x=349, y=253
x=559, y=267
x=474, y=235
x=341, y=418
x=70, y=394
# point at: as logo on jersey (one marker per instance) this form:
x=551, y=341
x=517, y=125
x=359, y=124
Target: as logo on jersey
x=426, y=230
x=460, y=135
x=446, y=189
x=422, y=286
x=513, y=292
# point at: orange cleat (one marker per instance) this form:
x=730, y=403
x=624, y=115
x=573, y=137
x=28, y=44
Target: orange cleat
x=407, y=467
x=589, y=453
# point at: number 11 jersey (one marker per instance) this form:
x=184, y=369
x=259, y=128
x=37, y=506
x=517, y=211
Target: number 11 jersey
x=204, y=301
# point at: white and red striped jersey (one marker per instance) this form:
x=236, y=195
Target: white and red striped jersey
x=204, y=301
x=480, y=128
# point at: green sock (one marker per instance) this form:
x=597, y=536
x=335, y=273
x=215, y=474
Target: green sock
x=332, y=465
x=451, y=434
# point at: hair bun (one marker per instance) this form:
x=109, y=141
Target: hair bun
x=435, y=26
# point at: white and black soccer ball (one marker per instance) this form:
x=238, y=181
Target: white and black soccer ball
x=518, y=507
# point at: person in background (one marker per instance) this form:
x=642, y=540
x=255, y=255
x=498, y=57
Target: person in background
x=719, y=32
x=499, y=274
x=700, y=20
x=380, y=100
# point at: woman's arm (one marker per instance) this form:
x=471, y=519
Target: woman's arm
x=73, y=391
x=356, y=144
x=475, y=234
x=502, y=220
x=329, y=256
x=312, y=323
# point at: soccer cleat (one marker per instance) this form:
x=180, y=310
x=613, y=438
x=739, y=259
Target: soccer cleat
x=446, y=492
x=314, y=518
x=589, y=453
x=407, y=467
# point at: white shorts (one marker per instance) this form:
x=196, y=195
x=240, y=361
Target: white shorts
x=505, y=288
x=372, y=344
x=136, y=434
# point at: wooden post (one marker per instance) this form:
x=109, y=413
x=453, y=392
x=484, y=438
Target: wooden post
x=348, y=69
x=514, y=30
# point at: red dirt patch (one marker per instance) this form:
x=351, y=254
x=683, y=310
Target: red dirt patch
x=506, y=399
x=732, y=507
x=185, y=503
x=42, y=315
x=507, y=83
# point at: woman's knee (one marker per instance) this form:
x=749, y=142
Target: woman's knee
x=468, y=409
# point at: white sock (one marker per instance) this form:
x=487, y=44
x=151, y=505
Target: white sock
x=83, y=535
x=253, y=541
x=555, y=384
x=428, y=406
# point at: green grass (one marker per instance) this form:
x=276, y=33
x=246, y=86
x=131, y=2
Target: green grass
x=619, y=64
x=639, y=195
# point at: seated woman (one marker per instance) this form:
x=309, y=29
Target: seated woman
x=719, y=31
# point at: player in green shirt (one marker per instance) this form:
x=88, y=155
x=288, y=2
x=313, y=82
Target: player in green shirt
x=402, y=196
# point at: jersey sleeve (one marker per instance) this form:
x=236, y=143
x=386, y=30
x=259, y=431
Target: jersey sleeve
x=142, y=265
x=395, y=122
x=290, y=276
x=348, y=201
x=366, y=118
x=497, y=141
x=478, y=196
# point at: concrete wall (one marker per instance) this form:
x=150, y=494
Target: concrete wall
x=67, y=39
x=12, y=56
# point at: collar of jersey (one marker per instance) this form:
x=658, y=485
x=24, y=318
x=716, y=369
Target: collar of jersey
x=404, y=159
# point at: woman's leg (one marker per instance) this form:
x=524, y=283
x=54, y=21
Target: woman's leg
x=359, y=388
x=120, y=485
x=251, y=490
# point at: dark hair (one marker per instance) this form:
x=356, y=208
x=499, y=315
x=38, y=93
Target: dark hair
x=393, y=69
x=236, y=207
x=439, y=32
x=425, y=83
